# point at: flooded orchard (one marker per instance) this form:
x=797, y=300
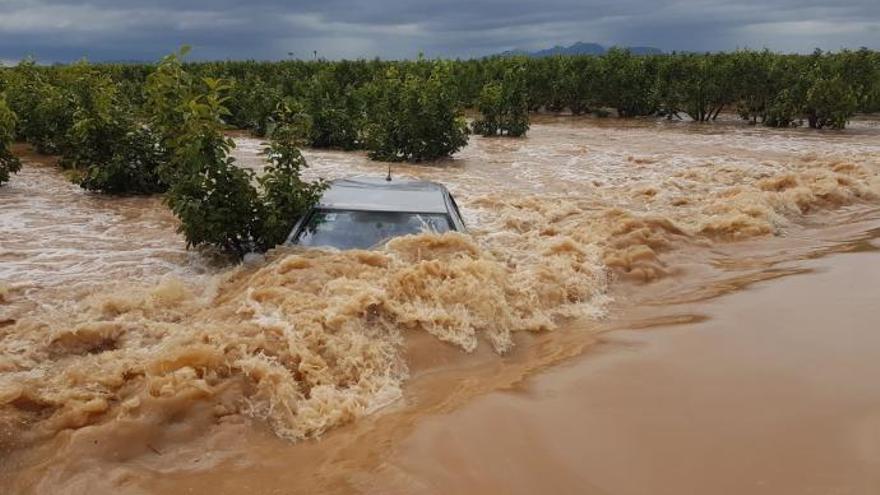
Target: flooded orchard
x=130, y=364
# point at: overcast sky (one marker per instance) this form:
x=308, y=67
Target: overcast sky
x=65, y=30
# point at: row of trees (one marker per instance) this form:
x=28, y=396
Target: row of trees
x=819, y=90
x=150, y=128
x=166, y=137
x=386, y=107
x=78, y=112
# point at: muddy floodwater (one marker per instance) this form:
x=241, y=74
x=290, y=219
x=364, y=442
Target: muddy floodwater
x=638, y=307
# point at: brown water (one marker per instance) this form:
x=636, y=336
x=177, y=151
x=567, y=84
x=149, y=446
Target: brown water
x=769, y=391
x=182, y=375
x=59, y=240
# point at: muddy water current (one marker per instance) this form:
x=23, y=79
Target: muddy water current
x=130, y=364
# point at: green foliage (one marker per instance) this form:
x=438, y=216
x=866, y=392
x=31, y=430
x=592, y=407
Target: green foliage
x=44, y=106
x=251, y=104
x=285, y=195
x=131, y=167
x=187, y=112
x=95, y=124
x=213, y=198
x=336, y=109
x=414, y=117
x=753, y=84
x=115, y=153
x=861, y=70
x=831, y=99
x=216, y=201
x=630, y=85
x=830, y=102
x=782, y=110
x=129, y=128
x=77, y=111
x=217, y=207
x=787, y=92
x=698, y=85
x=504, y=106
x=9, y=163
x=582, y=84
x=557, y=68
x=539, y=84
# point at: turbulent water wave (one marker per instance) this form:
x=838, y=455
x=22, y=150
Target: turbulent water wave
x=312, y=339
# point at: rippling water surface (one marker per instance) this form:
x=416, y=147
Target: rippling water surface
x=125, y=358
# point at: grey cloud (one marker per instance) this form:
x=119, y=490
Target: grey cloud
x=64, y=30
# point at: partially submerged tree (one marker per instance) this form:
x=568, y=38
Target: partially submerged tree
x=285, y=196
x=582, y=84
x=216, y=201
x=114, y=151
x=413, y=116
x=699, y=85
x=753, y=84
x=503, y=106
x=630, y=83
x=43, y=104
x=9, y=163
x=830, y=99
x=251, y=103
x=336, y=109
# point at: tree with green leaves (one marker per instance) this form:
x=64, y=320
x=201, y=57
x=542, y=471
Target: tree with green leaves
x=830, y=102
x=414, y=116
x=582, y=84
x=503, y=106
x=9, y=163
x=251, y=103
x=216, y=201
x=753, y=84
x=213, y=198
x=830, y=99
x=285, y=195
x=43, y=104
x=336, y=109
x=630, y=84
x=699, y=85
x=133, y=165
x=114, y=152
x=788, y=88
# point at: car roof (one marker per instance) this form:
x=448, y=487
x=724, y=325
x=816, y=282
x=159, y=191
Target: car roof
x=379, y=194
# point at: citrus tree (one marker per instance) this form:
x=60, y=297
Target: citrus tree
x=336, y=109
x=218, y=203
x=831, y=98
x=9, y=163
x=630, y=83
x=414, y=117
x=699, y=85
x=43, y=105
x=106, y=142
x=503, y=106
x=251, y=103
x=285, y=196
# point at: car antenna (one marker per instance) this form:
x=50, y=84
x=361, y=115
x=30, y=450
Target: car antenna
x=388, y=177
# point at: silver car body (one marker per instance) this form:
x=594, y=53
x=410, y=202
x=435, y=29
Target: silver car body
x=370, y=194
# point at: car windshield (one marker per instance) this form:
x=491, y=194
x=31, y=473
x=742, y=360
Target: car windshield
x=347, y=229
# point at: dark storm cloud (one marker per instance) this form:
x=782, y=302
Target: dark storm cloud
x=63, y=30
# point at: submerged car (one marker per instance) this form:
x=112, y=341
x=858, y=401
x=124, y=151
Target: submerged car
x=365, y=212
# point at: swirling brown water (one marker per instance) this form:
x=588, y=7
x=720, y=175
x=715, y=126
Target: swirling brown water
x=113, y=331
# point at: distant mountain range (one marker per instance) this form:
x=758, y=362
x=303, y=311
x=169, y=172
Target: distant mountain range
x=581, y=48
